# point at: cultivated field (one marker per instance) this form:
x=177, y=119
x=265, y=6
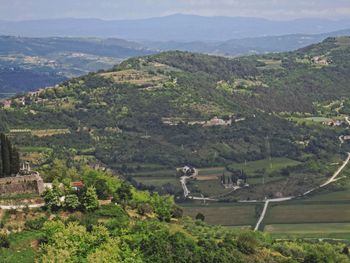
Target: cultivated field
x=308, y=213
x=319, y=230
x=275, y=164
x=223, y=214
x=40, y=133
x=159, y=181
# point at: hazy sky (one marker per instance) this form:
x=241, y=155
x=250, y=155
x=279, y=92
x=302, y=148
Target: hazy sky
x=130, y=9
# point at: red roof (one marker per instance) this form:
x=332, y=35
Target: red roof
x=78, y=184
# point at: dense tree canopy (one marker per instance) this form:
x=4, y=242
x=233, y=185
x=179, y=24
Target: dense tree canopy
x=9, y=157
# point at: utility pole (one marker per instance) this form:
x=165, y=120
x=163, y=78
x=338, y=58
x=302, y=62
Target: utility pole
x=268, y=147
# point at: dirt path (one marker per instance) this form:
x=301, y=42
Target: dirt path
x=10, y=207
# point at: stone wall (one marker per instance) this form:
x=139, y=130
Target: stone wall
x=21, y=185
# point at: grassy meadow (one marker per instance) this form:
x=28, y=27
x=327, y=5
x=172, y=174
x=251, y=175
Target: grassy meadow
x=223, y=214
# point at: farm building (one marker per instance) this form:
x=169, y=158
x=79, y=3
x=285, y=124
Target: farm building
x=218, y=122
x=7, y=104
x=188, y=171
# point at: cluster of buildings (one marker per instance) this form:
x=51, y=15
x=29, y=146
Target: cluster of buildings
x=188, y=171
x=17, y=101
x=22, y=101
x=333, y=123
x=320, y=60
x=233, y=182
x=212, y=122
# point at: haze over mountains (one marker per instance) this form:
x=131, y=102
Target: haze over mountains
x=175, y=27
x=41, y=53
x=244, y=46
x=31, y=63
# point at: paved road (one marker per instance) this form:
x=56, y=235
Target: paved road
x=261, y=218
x=347, y=120
x=267, y=201
x=183, y=180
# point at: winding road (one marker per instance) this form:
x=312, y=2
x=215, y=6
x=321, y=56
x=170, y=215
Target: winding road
x=267, y=201
x=186, y=192
x=183, y=180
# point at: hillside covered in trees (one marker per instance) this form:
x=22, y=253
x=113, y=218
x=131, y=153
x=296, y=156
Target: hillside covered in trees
x=178, y=108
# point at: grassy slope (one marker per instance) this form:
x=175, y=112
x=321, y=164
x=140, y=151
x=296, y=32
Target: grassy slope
x=23, y=247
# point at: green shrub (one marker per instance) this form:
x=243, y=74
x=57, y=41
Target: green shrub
x=111, y=210
x=35, y=224
x=247, y=243
x=144, y=208
x=4, y=241
x=71, y=202
x=72, y=218
x=177, y=212
x=200, y=216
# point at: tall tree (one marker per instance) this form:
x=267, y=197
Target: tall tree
x=1, y=169
x=9, y=157
x=5, y=153
x=90, y=200
x=15, y=161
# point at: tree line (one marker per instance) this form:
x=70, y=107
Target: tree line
x=9, y=157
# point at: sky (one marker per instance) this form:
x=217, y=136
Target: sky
x=135, y=9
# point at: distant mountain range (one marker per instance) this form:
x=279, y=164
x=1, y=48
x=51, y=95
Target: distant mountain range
x=252, y=45
x=172, y=28
x=29, y=59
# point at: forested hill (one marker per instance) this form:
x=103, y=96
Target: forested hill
x=276, y=82
x=179, y=108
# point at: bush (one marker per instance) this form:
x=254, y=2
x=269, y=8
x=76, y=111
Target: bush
x=72, y=218
x=111, y=210
x=89, y=220
x=116, y=225
x=71, y=202
x=36, y=223
x=200, y=216
x=144, y=208
x=4, y=241
x=177, y=212
x=247, y=243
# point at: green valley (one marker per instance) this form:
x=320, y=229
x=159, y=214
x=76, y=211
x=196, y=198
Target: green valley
x=135, y=158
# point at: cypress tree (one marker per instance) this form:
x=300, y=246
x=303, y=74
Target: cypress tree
x=9, y=157
x=1, y=168
x=5, y=155
x=15, y=163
